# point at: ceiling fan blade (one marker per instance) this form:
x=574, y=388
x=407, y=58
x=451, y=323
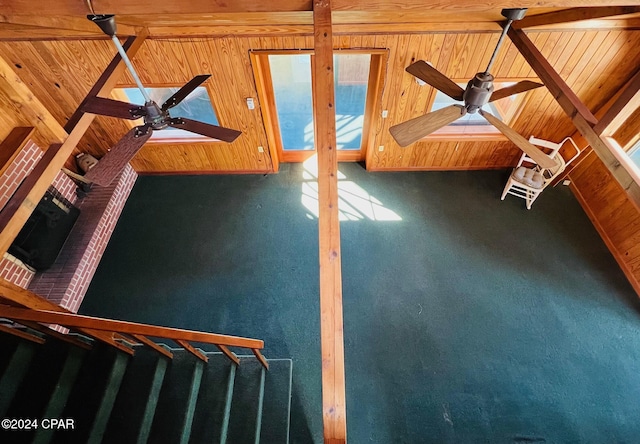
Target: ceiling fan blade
x=113, y=108
x=518, y=88
x=532, y=151
x=205, y=129
x=120, y=154
x=435, y=78
x=183, y=92
x=408, y=132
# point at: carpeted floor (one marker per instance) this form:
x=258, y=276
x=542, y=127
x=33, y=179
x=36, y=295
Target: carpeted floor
x=467, y=319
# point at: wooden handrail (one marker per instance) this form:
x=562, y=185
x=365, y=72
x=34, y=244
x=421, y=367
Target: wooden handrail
x=137, y=330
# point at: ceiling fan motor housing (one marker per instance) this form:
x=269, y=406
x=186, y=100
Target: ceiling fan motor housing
x=155, y=117
x=478, y=92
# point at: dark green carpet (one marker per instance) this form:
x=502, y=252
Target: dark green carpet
x=469, y=320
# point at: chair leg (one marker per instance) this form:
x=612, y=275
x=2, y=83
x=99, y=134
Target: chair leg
x=507, y=187
x=531, y=197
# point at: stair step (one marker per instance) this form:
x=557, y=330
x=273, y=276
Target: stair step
x=93, y=395
x=178, y=397
x=40, y=381
x=209, y=415
x=61, y=392
x=14, y=371
x=276, y=411
x=135, y=406
x=245, y=404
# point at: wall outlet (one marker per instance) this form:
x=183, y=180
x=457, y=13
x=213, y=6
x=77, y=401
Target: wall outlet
x=260, y=149
x=566, y=183
x=381, y=148
x=250, y=103
x=385, y=113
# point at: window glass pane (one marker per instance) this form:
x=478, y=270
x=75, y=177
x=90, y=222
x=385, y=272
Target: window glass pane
x=291, y=78
x=634, y=154
x=196, y=106
x=351, y=81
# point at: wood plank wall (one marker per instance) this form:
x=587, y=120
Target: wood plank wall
x=594, y=63
x=615, y=217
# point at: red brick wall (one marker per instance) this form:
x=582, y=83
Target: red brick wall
x=14, y=271
x=67, y=281
x=11, y=268
x=65, y=186
x=18, y=170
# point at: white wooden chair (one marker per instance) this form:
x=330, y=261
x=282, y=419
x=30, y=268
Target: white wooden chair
x=527, y=182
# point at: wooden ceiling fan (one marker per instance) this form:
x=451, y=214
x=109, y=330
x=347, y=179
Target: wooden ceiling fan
x=479, y=92
x=156, y=117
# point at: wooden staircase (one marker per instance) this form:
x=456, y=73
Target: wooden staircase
x=184, y=395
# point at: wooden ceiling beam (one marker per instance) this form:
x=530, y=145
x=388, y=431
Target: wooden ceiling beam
x=582, y=143
x=581, y=117
x=62, y=25
x=159, y=32
x=16, y=212
x=624, y=106
x=334, y=412
x=469, y=5
x=146, y=7
x=574, y=15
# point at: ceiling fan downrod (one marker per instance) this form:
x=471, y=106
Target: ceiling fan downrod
x=107, y=24
x=511, y=15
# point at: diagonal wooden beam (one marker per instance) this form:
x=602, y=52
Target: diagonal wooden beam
x=565, y=97
x=574, y=15
x=577, y=112
x=582, y=143
x=331, y=330
x=24, y=200
x=107, y=81
x=622, y=108
x=27, y=104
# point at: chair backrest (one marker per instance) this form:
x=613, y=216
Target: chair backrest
x=554, y=147
x=551, y=173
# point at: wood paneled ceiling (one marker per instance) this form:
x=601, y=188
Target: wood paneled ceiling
x=61, y=59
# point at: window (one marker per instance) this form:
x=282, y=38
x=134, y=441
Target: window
x=196, y=106
x=474, y=125
x=286, y=93
x=634, y=153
